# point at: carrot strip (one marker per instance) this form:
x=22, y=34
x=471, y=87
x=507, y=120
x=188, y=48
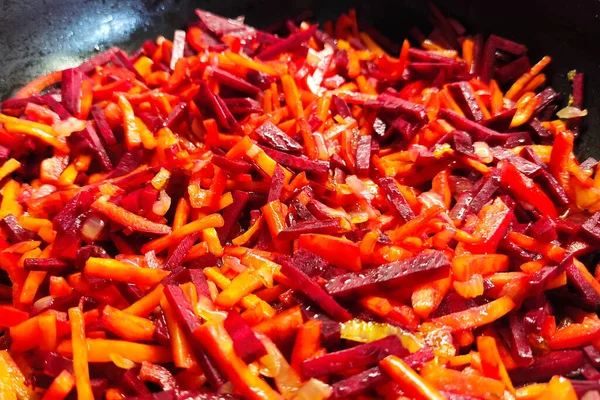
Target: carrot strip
x=123, y=272
x=411, y=382
x=520, y=83
x=80, y=355
x=61, y=386
x=210, y=221
x=99, y=351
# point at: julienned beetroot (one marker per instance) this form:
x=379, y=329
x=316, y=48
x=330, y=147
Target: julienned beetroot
x=237, y=214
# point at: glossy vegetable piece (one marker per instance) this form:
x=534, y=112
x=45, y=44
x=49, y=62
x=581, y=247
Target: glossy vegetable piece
x=390, y=276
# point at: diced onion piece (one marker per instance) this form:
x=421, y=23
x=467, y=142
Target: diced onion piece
x=571, y=112
x=366, y=332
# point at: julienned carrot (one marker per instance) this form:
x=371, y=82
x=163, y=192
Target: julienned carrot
x=410, y=381
x=146, y=304
x=219, y=345
x=127, y=326
x=99, y=351
x=37, y=133
x=281, y=326
x=137, y=184
x=249, y=301
x=127, y=218
x=132, y=134
x=210, y=221
x=477, y=316
x=61, y=386
x=492, y=364
x=123, y=272
x=516, y=88
x=80, y=355
x=459, y=382
x=180, y=346
x=39, y=84
x=308, y=342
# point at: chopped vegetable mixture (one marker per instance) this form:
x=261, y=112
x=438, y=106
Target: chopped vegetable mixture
x=319, y=214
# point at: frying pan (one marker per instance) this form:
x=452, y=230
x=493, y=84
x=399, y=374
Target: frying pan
x=39, y=36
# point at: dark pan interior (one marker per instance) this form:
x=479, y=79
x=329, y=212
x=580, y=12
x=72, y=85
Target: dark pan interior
x=37, y=36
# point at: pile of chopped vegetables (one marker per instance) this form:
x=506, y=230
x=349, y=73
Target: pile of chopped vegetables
x=321, y=214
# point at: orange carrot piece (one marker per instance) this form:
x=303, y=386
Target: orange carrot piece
x=99, y=351
x=80, y=355
x=219, y=346
x=427, y=297
x=477, y=316
x=412, y=384
x=123, y=272
x=520, y=83
x=133, y=138
x=308, y=342
x=61, y=386
x=127, y=326
x=210, y=221
x=491, y=362
x=180, y=346
x=127, y=218
x=146, y=304
x=282, y=325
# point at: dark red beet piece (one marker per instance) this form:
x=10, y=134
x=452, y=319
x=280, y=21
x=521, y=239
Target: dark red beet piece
x=359, y=383
x=187, y=395
x=179, y=253
x=45, y=264
x=71, y=90
x=512, y=70
x=14, y=231
x=519, y=343
x=592, y=354
x=591, y=227
x=340, y=106
x=188, y=320
x=463, y=143
x=544, y=229
x=500, y=122
x=526, y=167
x=232, y=213
x=389, y=276
x=97, y=61
x=587, y=289
x=547, y=365
x=363, y=156
x=355, y=357
x=298, y=163
x=396, y=199
x=287, y=44
x=276, y=185
x=274, y=137
x=396, y=106
x=235, y=82
x=234, y=166
x=242, y=105
x=102, y=126
x=314, y=292
x=327, y=226
x=131, y=381
x=245, y=342
x=463, y=94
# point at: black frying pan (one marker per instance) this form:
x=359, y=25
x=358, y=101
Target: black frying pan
x=37, y=36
